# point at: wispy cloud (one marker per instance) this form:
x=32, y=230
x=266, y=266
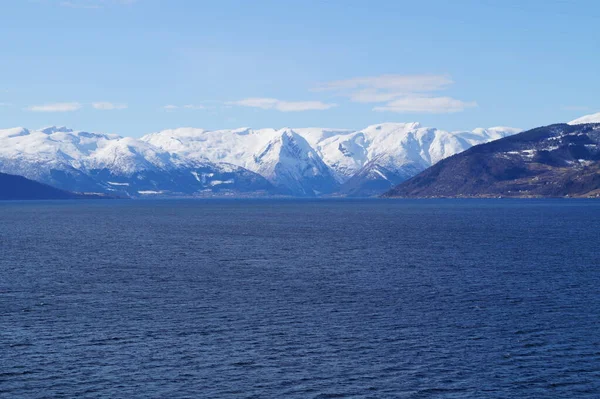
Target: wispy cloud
x=5, y=104
x=194, y=106
x=575, y=108
x=107, y=106
x=55, y=107
x=372, y=96
x=173, y=107
x=390, y=83
x=400, y=93
x=283, y=106
x=429, y=105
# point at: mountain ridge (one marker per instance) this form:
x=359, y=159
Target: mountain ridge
x=551, y=161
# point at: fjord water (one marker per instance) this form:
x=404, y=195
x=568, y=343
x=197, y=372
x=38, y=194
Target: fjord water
x=300, y=299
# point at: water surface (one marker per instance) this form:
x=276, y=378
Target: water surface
x=300, y=299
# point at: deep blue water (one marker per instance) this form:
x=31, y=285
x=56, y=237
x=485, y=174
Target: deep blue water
x=300, y=299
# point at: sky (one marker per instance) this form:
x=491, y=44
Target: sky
x=134, y=67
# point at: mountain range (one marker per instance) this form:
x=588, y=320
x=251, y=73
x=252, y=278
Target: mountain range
x=104, y=163
x=561, y=160
x=235, y=162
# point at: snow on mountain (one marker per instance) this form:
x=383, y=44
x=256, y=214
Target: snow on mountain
x=36, y=154
x=401, y=147
x=593, y=118
x=188, y=161
x=378, y=157
x=128, y=155
x=83, y=161
x=315, y=135
x=289, y=162
x=61, y=148
x=237, y=146
x=310, y=159
x=282, y=156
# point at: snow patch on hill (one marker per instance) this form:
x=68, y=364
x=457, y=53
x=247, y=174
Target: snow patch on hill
x=593, y=118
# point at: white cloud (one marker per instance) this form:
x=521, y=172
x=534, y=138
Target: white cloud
x=390, y=83
x=423, y=104
x=55, y=107
x=106, y=106
x=372, y=96
x=400, y=93
x=257, y=102
x=5, y=104
x=283, y=106
x=172, y=107
x=575, y=108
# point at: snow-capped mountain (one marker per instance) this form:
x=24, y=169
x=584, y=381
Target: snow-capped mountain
x=593, y=118
x=189, y=161
x=289, y=162
x=284, y=157
x=316, y=160
x=399, y=145
x=379, y=157
x=92, y=162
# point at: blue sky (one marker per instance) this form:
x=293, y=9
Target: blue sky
x=137, y=66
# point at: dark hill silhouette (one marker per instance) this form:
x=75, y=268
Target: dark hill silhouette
x=19, y=188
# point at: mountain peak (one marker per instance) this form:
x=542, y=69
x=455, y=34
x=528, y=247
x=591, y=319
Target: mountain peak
x=242, y=130
x=14, y=132
x=394, y=126
x=56, y=129
x=593, y=118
